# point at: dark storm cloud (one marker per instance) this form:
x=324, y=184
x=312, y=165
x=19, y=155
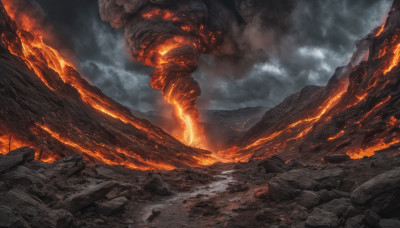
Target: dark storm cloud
x=99, y=51
x=277, y=55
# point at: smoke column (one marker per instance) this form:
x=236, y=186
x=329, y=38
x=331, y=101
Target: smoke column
x=170, y=35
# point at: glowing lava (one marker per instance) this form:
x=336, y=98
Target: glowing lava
x=40, y=57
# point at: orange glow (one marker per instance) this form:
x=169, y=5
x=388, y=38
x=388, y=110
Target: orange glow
x=380, y=31
x=374, y=109
x=338, y=135
x=395, y=60
x=38, y=56
x=370, y=150
x=102, y=151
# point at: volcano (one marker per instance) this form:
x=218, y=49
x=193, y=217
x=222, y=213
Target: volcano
x=355, y=114
x=47, y=105
x=70, y=156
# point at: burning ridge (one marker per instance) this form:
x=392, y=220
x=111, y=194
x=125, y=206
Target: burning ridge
x=48, y=106
x=356, y=113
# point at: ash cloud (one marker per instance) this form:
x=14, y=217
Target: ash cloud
x=270, y=50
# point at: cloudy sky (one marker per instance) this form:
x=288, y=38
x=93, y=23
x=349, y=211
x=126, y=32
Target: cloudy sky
x=322, y=37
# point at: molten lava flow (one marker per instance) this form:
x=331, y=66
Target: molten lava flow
x=395, y=59
x=36, y=53
x=338, y=135
x=101, y=153
x=40, y=58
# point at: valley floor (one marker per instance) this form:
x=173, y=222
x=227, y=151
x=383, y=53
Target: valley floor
x=267, y=193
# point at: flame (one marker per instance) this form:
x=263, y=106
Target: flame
x=159, y=56
x=38, y=55
x=338, y=135
x=395, y=60
x=100, y=154
x=380, y=30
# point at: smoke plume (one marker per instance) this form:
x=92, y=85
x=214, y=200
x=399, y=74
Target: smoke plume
x=171, y=35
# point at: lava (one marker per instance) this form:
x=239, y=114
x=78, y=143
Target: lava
x=338, y=135
x=39, y=57
x=395, y=59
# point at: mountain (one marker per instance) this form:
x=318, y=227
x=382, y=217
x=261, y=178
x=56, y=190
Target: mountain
x=357, y=113
x=47, y=105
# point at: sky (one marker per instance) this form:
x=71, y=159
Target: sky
x=319, y=36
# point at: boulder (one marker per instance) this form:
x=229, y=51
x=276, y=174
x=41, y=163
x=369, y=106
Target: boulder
x=384, y=183
x=336, y=206
x=307, y=179
x=157, y=186
x=15, y=158
x=371, y=219
x=112, y=207
x=389, y=223
x=337, y=158
x=34, y=211
x=8, y=218
x=279, y=190
x=322, y=219
x=87, y=196
x=273, y=165
x=24, y=176
x=269, y=215
x=308, y=199
x=354, y=222
x=69, y=166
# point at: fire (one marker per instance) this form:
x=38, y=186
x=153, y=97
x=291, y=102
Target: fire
x=380, y=31
x=338, y=135
x=38, y=55
x=395, y=60
x=169, y=65
x=100, y=154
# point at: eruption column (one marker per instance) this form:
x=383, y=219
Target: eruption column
x=169, y=37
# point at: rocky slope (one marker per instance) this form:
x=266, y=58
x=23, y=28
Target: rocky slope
x=268, y=193
x=356, y=113
x=46, y=104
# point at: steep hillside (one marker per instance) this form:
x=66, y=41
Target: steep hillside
x=356, y=113
x=46, y=104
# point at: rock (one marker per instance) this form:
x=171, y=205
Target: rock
x=273, y=165
x=154, y=214
x=8, y=218
x=105, y=172
x=387, y=204
x=337, y=158
x=157, y=186
x=354, y=222
x=24, y=176
x=69, y=166
x=15, y=158
x=322, y=219
x=269, y=215
x=389, y=223
x=336, y=206
x=371, y=219
x=296, y=164
x=112, y=207
x=34, y=211
x=327, y=196
x=280, y=190
x=308, y=199
x=307, y=179
x=385, y=182
x=87, y=196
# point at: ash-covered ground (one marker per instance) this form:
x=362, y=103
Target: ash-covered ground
x=336, y=192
